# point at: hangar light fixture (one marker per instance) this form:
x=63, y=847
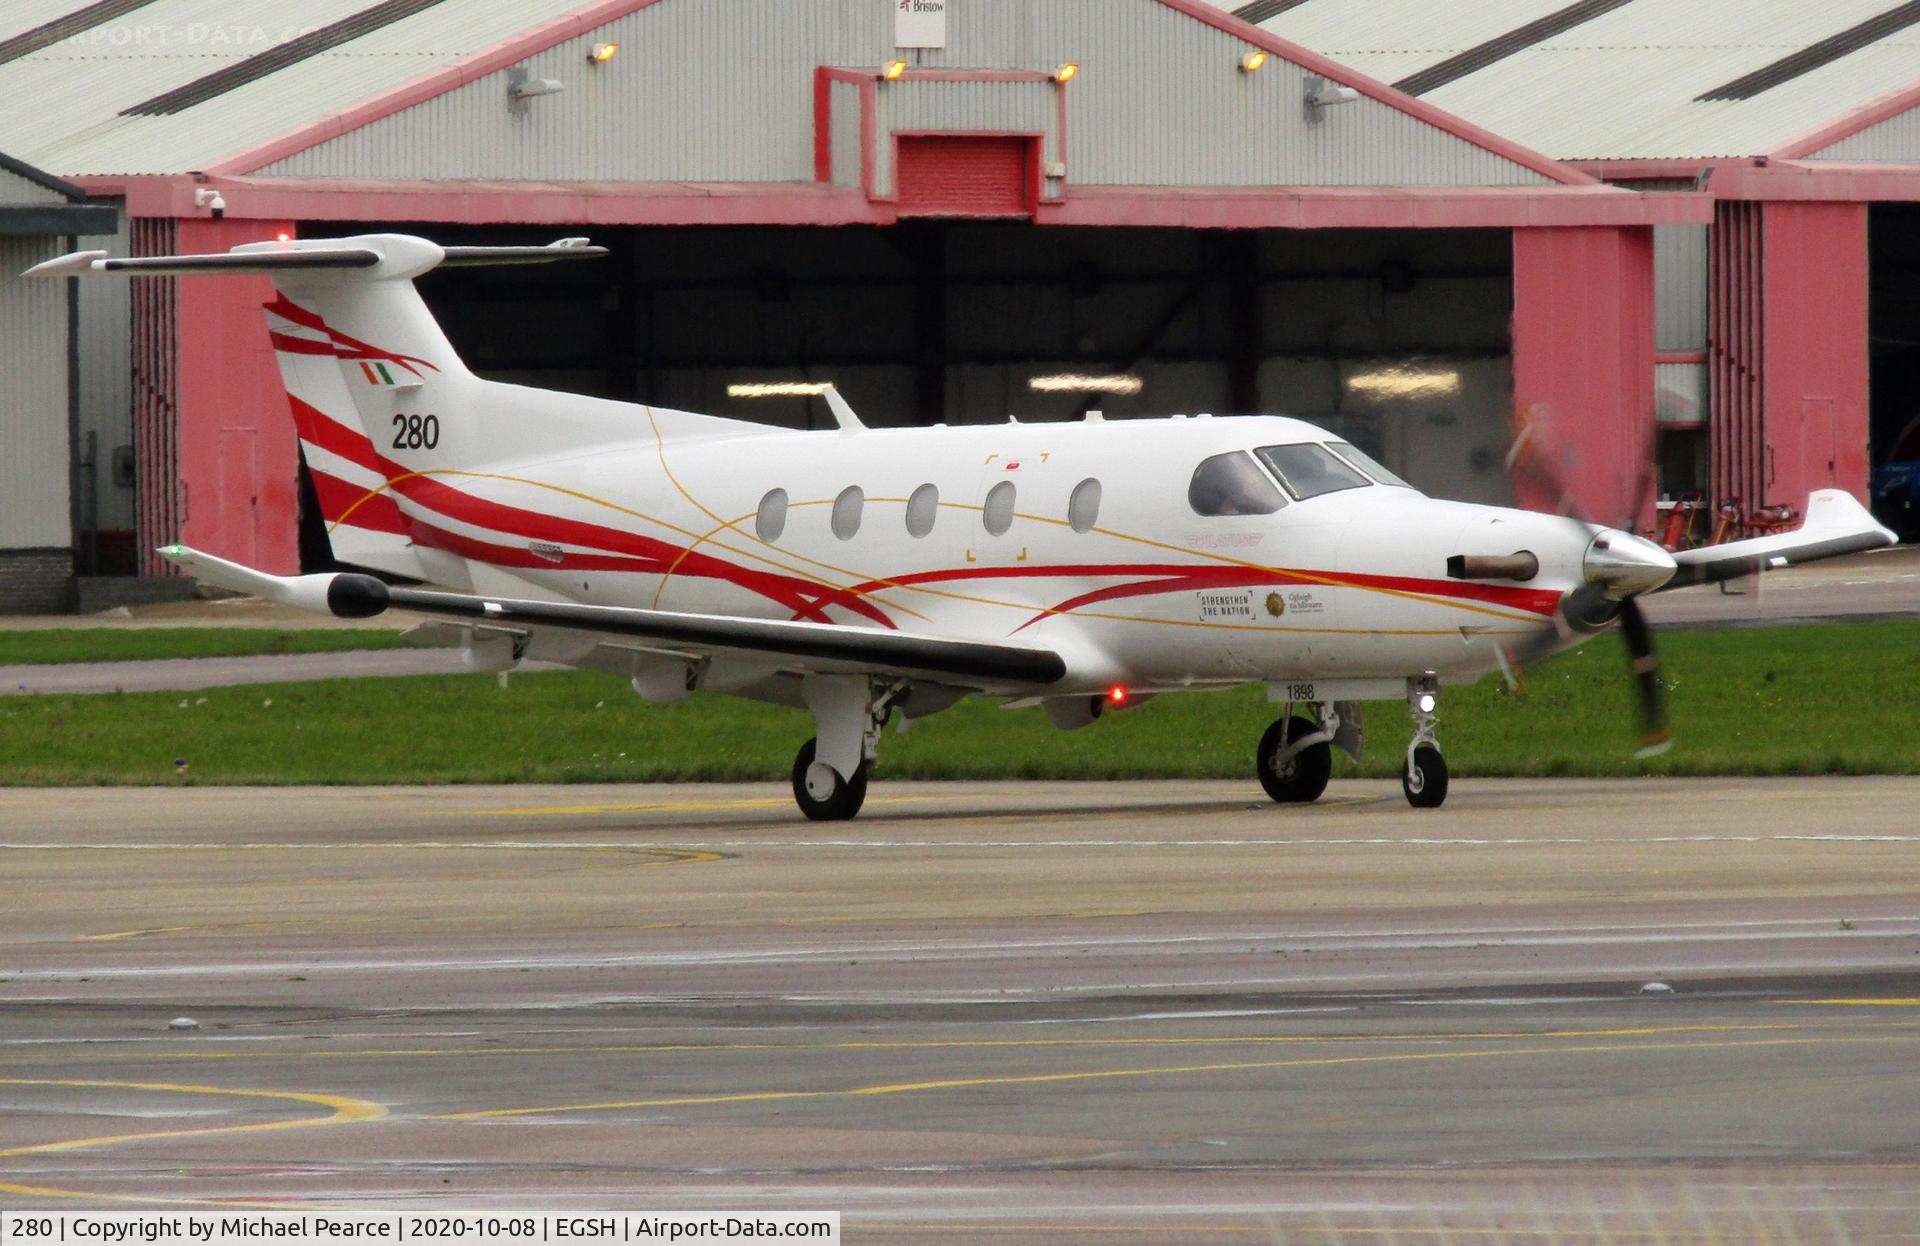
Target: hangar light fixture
x=894, y=70
x=1406, y=382
x=780, y=389
x=1065, y=73
x=603, y=52
x=1252, y=61
x=1075, y=383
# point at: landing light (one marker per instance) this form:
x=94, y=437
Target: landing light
x=1426, y=702
x=894, y=70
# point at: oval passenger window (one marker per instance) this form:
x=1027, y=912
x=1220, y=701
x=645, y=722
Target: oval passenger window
x=846, y=512
x=998, y=515
x=922, y=507
x=1083, y=507
x=771, y=519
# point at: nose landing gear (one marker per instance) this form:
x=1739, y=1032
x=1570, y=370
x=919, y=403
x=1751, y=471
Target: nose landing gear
x=1425, y=778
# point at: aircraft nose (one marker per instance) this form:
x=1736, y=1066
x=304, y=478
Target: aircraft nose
x=1626, y=564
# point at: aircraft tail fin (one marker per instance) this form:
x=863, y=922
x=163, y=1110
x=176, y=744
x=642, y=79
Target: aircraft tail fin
x=378, y=395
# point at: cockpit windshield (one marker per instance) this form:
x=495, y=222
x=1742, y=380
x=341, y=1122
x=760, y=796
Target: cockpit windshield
x=1310, y=469
x=1367, y=463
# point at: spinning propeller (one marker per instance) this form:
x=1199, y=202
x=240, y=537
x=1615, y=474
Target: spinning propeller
x=1616, y=567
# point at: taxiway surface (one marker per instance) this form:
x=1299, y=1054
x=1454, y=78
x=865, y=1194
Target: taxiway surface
x=982, y=1012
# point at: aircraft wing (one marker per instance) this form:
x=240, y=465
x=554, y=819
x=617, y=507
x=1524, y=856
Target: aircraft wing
x=1836, y=524
x=810, y=646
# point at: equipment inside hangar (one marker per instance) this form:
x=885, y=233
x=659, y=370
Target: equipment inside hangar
x=1893, y=337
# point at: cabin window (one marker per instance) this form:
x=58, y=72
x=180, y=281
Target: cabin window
x=771, y=519
x=1083, y=507
x=998, y=515
x=1232, y=484
x=846, y=512
x=1310, y=469
x=1366, y=463
x=922, y=508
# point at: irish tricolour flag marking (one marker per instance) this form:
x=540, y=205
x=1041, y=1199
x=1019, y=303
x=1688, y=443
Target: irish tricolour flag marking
x=377, y=373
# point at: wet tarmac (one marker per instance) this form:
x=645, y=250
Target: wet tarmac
x=982, y=1012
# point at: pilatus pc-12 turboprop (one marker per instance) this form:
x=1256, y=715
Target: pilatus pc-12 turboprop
x=860, y=573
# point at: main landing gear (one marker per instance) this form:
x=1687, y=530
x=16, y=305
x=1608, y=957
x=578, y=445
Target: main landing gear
x=1295, y=756
x=1295, y=759
x=830, y=772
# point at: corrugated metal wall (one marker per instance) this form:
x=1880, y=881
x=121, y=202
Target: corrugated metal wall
x=1735, y=341
x=722, y=90
x=34, y=427
x=1897, y=140
x=1680, y=287
x=1680, y=393
x=996, y=107
x=17, y=189
x=106, y=387
x=843, y=102
x=156, y=401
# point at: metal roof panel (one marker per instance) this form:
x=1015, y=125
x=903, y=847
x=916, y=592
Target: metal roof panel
x=1623, y=85
x=79, y=87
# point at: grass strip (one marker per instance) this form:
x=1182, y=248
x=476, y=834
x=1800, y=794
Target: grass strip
x=1823, y=699
x=113, y=644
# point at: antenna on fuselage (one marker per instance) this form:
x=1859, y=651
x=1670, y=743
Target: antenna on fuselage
x=843, y=414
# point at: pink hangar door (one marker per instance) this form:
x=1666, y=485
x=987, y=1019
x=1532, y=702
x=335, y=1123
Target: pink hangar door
x=239, y=502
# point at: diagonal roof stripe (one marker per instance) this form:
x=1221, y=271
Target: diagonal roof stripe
x=1260, y=10
x=292, y=52
x=1812, y=57
x=44, y=36
x=1520, y=38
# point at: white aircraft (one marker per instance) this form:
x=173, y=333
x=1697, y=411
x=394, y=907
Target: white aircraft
x=860, y=573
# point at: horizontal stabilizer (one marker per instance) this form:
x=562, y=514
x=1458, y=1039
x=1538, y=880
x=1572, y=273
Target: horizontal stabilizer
x=404, y=257
x=95, y=263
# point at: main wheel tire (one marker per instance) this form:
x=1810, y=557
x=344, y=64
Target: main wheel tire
x=1425, y=783
x=847, y=796
x=1301, y=777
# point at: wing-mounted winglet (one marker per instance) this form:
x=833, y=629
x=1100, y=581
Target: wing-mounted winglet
x=997, y=664
x=1836, y=524
x=843, y=413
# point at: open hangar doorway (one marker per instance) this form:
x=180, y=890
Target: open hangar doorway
x=1398, y=340
x=1893, y=335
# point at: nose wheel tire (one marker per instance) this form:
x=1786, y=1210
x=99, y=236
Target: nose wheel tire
x=821, y=793
x=1301, y=777
x=1425, y=780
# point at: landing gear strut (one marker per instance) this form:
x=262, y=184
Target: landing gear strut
x=830, y=772
x=1295, y=759
x=1425, y=778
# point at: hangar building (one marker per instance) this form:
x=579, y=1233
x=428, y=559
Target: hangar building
x=929, y=204
x=39, y=390
x=1789, y=328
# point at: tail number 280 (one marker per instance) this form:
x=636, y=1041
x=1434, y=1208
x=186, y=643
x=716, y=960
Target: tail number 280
x=416, y=432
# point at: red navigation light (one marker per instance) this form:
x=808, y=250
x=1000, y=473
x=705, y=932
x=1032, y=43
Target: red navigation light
x=285, y=236
x=1117, y=694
